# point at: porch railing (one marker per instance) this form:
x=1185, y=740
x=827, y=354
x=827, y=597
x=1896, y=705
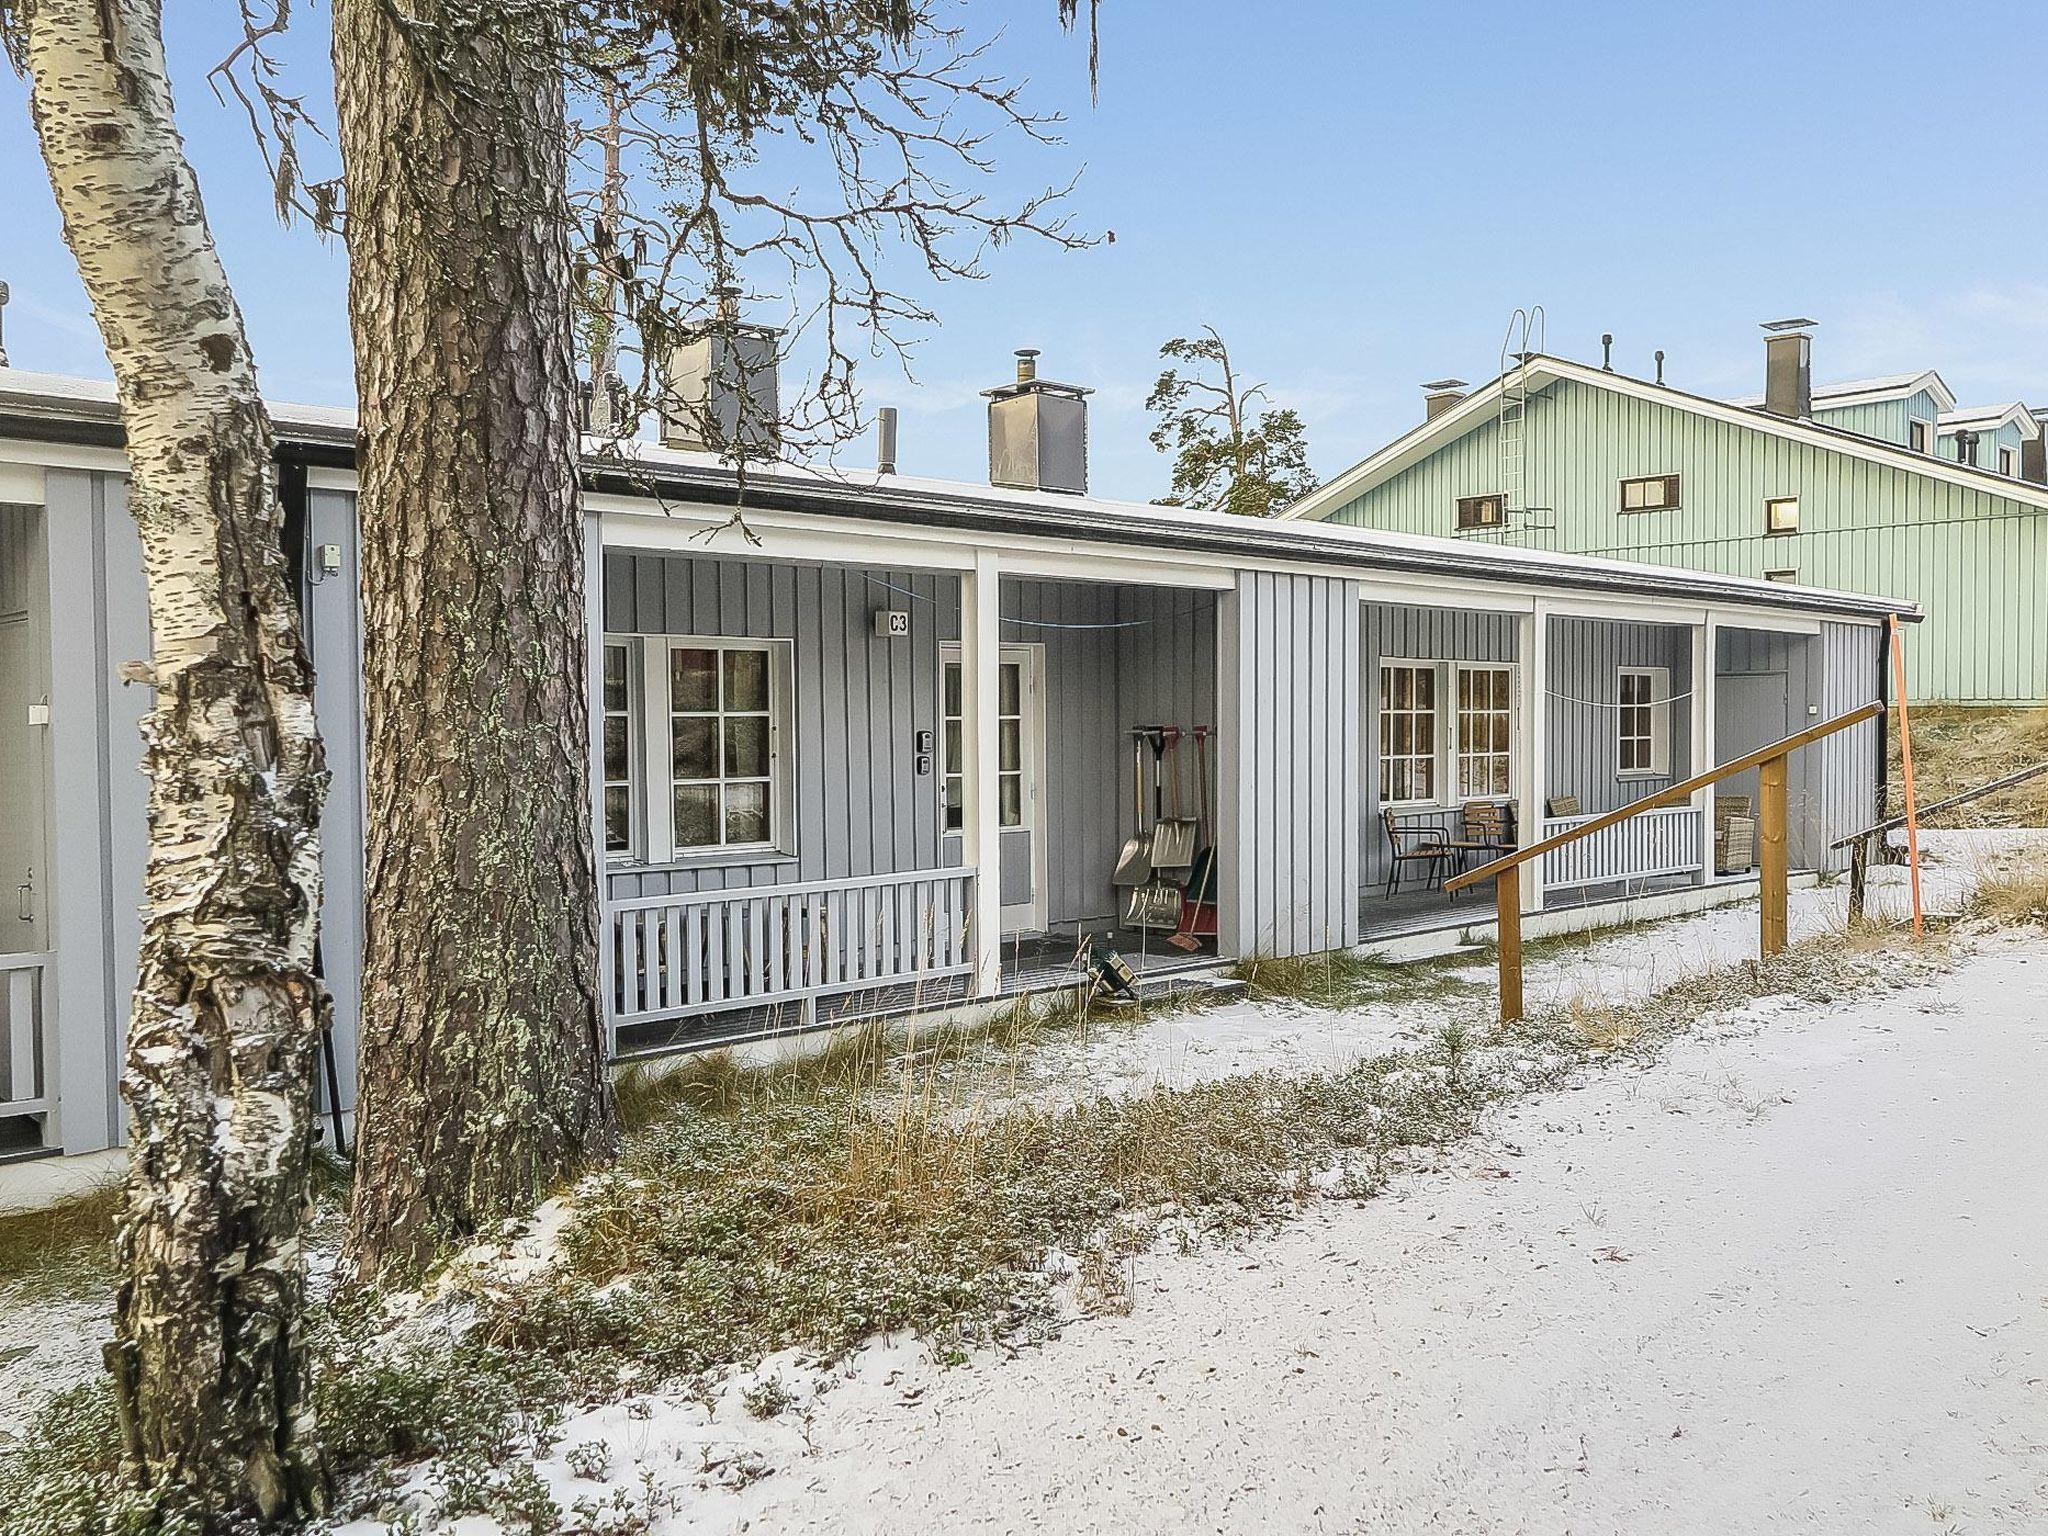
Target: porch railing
x=22, y=1067
x=1668, y=841
x=705, y=951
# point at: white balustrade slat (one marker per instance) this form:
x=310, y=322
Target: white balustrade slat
x=708, y=950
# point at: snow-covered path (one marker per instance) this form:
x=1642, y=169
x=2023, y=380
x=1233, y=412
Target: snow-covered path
x=1792, y=1277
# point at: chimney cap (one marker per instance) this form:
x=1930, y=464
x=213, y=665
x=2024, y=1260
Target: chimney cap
x=1028, y=381
x=1777, y=327
x=1441, y=386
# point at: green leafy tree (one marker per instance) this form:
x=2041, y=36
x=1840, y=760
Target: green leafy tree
x=1233, y=449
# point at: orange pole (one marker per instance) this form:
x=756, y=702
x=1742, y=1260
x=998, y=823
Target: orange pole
x=1906, y=761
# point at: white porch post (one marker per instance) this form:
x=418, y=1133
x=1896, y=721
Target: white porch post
x=1704, y=649
x=1534, y=650
x=593, y=628
x=981, y=838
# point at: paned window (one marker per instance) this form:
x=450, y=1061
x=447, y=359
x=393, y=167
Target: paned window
x=1485, y=726
x=1650, y=493
x=1009, y=747
x=1480, y=512
x=721, y=713
x=1644, y=727
x=1408, y=733
x=621, y=751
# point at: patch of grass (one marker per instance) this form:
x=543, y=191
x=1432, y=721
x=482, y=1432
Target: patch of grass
x=2015, y=892
x=1957, y=748
x=1346, y=979
x=61, y=1248
x=877, y=1186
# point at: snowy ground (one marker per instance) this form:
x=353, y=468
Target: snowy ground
x=1613, y=968
x=1792, y=1276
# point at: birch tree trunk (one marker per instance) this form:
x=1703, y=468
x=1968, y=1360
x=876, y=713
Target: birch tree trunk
x=208, y=1361
x=483, y=1077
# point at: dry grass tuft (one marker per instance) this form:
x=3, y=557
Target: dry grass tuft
x=2014, y=893
x=1346, y=979
x=62, y=1247
x=1957, y=748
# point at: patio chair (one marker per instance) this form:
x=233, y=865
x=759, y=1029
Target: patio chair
x=1734, y=834
x=1487, y=831
x=1424, y=846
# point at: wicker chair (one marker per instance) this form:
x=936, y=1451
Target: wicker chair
x=1734, y=834
x=1423, y=846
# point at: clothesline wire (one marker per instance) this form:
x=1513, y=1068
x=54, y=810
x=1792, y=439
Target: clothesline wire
x=1571, y=698
x=1181, y=613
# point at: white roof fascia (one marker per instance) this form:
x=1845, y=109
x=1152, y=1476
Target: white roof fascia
x=1426, y=439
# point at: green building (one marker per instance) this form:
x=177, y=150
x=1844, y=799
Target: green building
x=1879, y=486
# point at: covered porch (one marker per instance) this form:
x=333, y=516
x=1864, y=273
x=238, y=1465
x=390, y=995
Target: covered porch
x=1484, y=724
x=833, y=790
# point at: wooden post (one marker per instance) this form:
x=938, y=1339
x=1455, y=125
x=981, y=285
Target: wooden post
x=1507, y=906
x=1906, y=764
x=1771, y=859
x=1859, y=874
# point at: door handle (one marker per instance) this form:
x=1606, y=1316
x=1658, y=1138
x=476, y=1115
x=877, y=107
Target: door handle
x=27, y=895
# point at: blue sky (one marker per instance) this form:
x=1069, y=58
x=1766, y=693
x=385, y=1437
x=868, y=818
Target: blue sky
x=1357, y=196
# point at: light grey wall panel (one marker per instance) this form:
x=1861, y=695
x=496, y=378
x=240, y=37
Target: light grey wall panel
x=1584, y=737
x=1846, y=766
x=1291, y=655
x=334, y=639
x=860, y=809
x=1393, y=632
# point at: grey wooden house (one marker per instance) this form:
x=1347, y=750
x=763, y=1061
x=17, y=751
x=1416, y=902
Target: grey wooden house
x=887, y=754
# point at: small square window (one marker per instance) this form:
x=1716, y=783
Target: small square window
x=1787, y=574
x=1480, y=512
x=1650, y=493
x=1781, y=514
x=1916, y=435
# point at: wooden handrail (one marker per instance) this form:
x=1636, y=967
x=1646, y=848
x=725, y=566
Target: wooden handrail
x=1926, y=811
x=1506, y=873
x=1675, y=795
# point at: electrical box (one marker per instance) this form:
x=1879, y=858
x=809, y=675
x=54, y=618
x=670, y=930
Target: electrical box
x=892, y=623
x=328, y=559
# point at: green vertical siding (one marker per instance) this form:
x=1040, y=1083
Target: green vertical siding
x=1975, y=561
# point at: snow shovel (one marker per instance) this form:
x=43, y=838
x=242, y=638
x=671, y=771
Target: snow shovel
x=1173, y=837
x=1198, y=900
x=1134, y=864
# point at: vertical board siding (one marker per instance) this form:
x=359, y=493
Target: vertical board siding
x=1111, y=657
x=1975, y=560
x=1291, y=656
x=1383, y=632
x=1585, y=729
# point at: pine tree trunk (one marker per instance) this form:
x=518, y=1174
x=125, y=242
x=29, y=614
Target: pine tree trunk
x=208, y=1360
x=483, y=1054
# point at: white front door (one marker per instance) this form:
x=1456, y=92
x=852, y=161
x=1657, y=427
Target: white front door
x=1019, y=773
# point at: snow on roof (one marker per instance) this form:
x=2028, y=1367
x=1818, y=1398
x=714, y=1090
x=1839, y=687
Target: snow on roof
x=1987, y=416
x=652, y=469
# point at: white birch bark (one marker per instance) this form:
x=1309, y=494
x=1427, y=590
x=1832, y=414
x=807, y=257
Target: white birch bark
x=208, y=1362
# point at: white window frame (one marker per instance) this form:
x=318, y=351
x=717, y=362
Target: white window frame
x=1447, y=754
x=1658, y=739
x=2008, y=460
x=1384, y=775
x=1919, y=434
x=1459, y=756
x=632, y=714
x=657, y=805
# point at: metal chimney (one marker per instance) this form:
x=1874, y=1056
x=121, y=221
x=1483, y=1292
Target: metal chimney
x=719, y=392
x=1439, y=395
x=1788, y=368
x=885, y=440
x=1038, y=432
x=3, y=326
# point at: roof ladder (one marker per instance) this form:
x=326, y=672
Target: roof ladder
x=1525, y=339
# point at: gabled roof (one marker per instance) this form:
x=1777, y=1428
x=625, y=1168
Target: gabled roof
x=1483, y=404
x=1892, y=386
x=1988, y=418
x=50, y=408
